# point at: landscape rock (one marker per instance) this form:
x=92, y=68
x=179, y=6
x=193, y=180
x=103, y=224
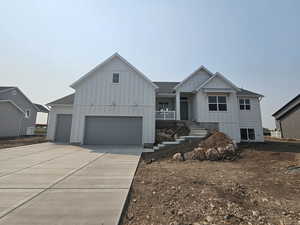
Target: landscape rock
x=177, y=157
x=212, y=154
x=217, y=146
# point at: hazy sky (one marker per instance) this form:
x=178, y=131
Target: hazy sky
x=47, y=45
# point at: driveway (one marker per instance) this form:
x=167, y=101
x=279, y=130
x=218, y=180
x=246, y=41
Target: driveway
x=53, y=184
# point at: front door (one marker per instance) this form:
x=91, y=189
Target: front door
x=184, y=110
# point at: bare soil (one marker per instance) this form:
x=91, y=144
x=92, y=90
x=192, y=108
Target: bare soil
x=258, y=188
x=19, y=141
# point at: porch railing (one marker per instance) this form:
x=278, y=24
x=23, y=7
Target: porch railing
x=165, y=115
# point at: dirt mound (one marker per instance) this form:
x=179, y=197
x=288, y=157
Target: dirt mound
x=218, y=146
x=216, y=140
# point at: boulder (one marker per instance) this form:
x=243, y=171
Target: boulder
x=212, y=154
x=177, y=157
x=199, y=154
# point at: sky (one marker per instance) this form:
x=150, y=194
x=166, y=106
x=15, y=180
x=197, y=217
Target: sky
x=47, y=45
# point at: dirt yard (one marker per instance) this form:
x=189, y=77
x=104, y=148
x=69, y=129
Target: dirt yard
x=258, y=188
x=14, y=142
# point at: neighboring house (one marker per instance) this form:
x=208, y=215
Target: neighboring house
x=17, y=112
x=116, y=104
x=287, y=119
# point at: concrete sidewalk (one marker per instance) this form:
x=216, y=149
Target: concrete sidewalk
x=49, y=184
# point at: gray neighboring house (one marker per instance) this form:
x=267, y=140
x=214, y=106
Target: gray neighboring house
x=17, y=112
x=287, y=119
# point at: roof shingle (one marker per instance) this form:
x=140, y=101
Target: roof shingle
x=67, y=100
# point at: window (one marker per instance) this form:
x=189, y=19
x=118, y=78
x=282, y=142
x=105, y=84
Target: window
x=14, y=92
x=217, y=103
x=245, y=104
x=163, y=106
x=247, y=134
x=116, y=78
x=27, y=113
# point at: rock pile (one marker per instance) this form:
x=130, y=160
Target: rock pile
x=216, y=147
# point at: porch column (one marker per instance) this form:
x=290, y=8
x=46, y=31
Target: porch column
x=177, y=105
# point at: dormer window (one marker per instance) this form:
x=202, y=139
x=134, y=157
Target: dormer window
x=116, y=78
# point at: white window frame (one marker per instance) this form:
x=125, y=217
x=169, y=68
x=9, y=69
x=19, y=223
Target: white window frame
x=113, y=74
x=244, y=104
x=29, y=113
x=217, y=103
x=247, y=130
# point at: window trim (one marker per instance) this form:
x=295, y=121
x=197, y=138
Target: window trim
x=248, y=137
x=217, y=103
x=113, y=74
x=29, y=114
x=244, y=104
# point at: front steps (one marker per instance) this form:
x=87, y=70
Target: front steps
x=196, y=132
x=180, y=140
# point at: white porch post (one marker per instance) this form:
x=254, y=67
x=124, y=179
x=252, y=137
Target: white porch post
x=177, y=105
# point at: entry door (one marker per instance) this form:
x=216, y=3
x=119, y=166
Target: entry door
x=184, y=110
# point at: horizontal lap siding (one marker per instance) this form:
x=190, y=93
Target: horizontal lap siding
x=228, y=121
x=290, y=124
x=252, y=118
x=98, y=96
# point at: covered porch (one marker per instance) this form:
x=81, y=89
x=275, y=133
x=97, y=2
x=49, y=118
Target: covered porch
x=178, y=106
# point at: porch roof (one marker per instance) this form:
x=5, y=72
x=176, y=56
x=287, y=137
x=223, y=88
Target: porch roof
x=166, y=87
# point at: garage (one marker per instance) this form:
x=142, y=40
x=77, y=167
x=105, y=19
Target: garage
x=63, y=128
x=101, y=130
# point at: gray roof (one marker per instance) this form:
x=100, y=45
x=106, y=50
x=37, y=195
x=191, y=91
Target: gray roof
x=166, y=87
x=163, y=88
x=4, y=88
x=42, y=108
x=245, y=92
x=288, y=106
x=67, y=100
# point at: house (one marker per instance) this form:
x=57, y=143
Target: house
x=17, y=112
x=287, y=119
x=115, y=103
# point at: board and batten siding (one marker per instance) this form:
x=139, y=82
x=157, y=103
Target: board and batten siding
x=252, y=118
x=52, y=116
x=133, y=96
x=194, y=81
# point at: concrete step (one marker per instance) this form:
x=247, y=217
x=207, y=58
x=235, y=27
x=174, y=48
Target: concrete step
x=191, y=136
x=199, y=131
x=170, y=142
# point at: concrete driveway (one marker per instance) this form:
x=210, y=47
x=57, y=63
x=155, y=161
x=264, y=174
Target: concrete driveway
x=50, y=184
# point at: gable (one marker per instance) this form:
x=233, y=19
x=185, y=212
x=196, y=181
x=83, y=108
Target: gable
x=115, y=63
x=19, y=98
x=194, y=80
x=98, y=88
x=218, y=82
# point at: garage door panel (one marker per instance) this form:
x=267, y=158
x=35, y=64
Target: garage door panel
x=113, y=130
x=63, y=128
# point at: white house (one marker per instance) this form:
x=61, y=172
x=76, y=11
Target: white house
x=117, y=104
